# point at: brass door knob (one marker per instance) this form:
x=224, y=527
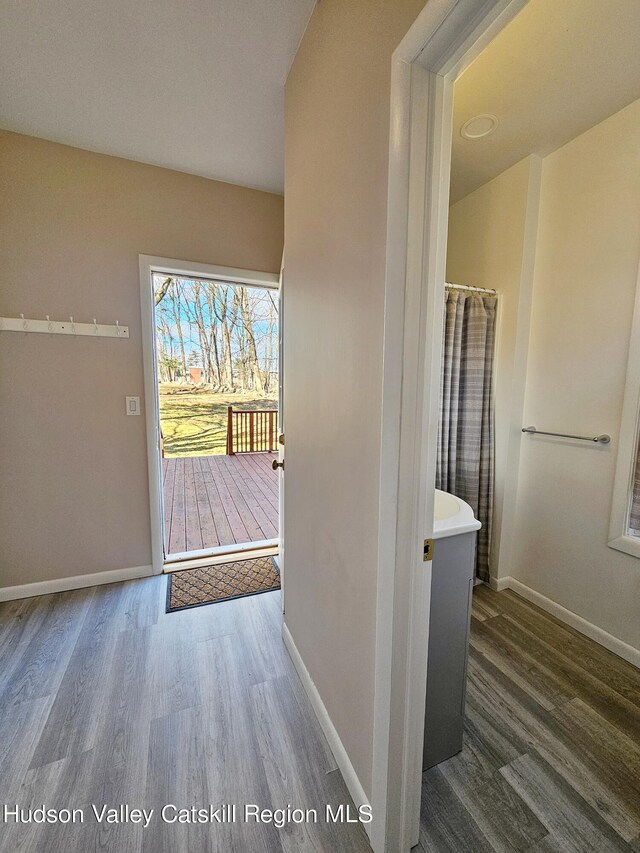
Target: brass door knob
x=275, y=465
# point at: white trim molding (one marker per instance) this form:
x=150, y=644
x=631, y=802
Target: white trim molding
x=444, y=39
x=149, y=264
x=229, y=275
x=599, y=635
x=28, y=590
x=330, y=732
x=152, y=412
x=498, y=584
x=627, y=544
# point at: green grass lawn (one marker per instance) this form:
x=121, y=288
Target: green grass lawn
x=194, y=418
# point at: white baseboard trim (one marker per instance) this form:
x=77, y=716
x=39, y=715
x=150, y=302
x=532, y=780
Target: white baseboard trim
x=28, y=590
x=337, y=748
x=498, y=584
x=613, y=644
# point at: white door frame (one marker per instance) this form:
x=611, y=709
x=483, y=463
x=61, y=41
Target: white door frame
x=445, y=38
x=149, y=265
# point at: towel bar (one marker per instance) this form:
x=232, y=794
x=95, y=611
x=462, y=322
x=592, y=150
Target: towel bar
x=599, y=439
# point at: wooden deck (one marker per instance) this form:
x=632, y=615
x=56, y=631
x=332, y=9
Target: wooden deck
x=219, y=500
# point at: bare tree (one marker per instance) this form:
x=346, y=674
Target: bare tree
x=252, y=364
x=229, y=331
x=176, y=305
x=210, y=293
x=227, y=357
x=161, y=292
x=269, y=350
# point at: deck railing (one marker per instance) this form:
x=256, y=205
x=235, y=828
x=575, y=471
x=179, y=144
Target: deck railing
x=251, y=431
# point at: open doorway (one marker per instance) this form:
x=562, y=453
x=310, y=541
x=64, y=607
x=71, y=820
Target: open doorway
x=563, y=165
x=217, y=369
x=212, y=382
x=541, y=225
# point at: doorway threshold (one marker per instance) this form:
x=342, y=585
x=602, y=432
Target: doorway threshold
x=221, y=554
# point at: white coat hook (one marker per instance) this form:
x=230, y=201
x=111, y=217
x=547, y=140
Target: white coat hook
x=47, y=326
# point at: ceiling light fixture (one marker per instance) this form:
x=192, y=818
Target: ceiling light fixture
x=479, y=126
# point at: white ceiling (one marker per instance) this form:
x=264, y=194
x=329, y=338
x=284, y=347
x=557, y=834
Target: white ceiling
x=196, y=86
x=559, y=68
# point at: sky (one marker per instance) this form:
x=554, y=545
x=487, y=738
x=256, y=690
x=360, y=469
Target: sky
x=260, y=303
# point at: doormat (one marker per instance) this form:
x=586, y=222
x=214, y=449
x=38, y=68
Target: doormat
x=222, y=582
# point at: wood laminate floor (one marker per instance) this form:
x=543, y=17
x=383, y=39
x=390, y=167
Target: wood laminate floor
x=551, y=762
x=104, y=698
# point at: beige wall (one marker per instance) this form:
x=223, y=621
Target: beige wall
x=585, y=280
x=74, y=471
x=336, y=157
x=491, y=243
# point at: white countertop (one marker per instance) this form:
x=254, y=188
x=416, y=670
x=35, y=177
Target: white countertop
x=452, y=516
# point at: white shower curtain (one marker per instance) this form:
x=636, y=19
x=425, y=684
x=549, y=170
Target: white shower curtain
x=465, y=435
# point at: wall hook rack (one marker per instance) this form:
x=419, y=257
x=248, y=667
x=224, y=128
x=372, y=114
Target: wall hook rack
x=63, y=327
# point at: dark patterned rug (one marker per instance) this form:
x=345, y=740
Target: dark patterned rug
x=210, y=584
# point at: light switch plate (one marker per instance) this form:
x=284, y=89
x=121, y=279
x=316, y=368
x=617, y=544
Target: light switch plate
x=133, y=405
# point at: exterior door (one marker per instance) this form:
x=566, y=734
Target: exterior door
x=281, y=438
